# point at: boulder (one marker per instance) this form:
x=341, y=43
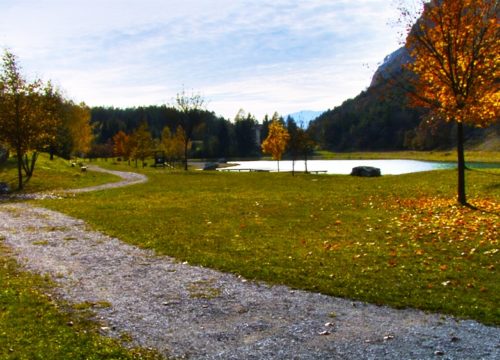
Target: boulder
x=210, y=166
x=365, y=171
x=4, y=188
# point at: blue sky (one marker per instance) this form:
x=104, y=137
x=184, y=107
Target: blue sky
x=262, y=56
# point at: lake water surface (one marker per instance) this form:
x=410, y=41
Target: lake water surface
x=387, y=167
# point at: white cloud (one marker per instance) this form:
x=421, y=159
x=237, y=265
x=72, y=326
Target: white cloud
x=263, y=56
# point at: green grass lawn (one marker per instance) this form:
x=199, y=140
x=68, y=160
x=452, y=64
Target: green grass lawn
x=446, y=156
x=53, y=175
x=395, y=240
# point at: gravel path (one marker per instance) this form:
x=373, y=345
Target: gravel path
x=187, y=311
x=128, y=178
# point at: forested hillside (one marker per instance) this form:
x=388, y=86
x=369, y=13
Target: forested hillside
x=377, y=119
x=380, y=119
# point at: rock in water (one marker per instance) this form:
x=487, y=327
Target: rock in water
x=365, y=171
x=210, y=166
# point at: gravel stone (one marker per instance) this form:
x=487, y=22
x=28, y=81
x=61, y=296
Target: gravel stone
x=198, y=313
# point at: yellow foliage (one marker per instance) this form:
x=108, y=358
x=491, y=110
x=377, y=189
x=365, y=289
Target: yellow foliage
x=455, y=47
x=79, y=127
x=277, y=138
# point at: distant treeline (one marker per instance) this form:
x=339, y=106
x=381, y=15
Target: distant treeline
x=213, y=137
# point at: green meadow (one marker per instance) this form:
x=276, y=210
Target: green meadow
x=396, y=240
x=54, y=174
x=445, y=156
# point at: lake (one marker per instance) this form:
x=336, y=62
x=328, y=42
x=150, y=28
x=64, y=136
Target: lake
x=387, y=167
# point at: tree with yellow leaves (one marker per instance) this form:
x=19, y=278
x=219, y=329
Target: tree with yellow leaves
x=276, y=140
x=173, y=143
x=80, y=128
x=29, y=115
x=74, y=132
x=454, y=45
x=141, y=143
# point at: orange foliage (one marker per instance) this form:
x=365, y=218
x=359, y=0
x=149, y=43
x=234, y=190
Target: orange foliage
x=455, y=47
x=439, y=219
x=120, y=140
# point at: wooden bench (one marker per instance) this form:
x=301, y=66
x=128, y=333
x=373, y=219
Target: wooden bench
x=311, y=172
x=245, y=170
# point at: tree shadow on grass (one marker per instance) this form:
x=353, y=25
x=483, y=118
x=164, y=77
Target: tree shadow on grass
x=481, y=209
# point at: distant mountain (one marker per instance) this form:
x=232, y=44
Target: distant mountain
x=304, y=117
x=377, y=119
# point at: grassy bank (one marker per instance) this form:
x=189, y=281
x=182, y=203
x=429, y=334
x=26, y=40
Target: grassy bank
x=446, y=156
x=395, y=240
x=53, y=175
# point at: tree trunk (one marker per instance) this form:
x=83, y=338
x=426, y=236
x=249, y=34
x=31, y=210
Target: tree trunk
x=19, y=168
x=19, y=150
x=29, y=165
x=186, y=143
x=461, y=164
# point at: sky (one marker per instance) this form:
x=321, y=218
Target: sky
x=260, y=56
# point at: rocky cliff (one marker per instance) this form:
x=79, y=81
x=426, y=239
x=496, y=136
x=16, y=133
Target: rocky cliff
x=391, y=67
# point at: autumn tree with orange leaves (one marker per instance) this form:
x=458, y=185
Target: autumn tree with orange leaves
x=454, y=45
x=172, y=144
x=120, y=140
x=276, y=140
x=29, y=115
